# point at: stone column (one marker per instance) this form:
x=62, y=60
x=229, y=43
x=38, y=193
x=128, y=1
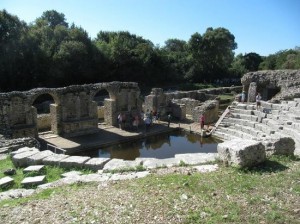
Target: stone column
x=110, y=116
x=252, y=92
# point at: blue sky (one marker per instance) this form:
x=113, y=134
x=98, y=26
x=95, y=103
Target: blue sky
x=260, y=26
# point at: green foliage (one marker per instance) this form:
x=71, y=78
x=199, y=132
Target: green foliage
x=50, y=53
x=287, y=59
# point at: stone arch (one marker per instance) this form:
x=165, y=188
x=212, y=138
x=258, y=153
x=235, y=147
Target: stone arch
x=45, y=103
x=101, y=97
x=39, y=93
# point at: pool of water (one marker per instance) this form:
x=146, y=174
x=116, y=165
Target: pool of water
x=161, y=146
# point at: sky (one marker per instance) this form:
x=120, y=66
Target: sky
x=260, y=26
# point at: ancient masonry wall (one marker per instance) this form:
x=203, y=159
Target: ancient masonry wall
x=74, y=111
x=273, y=85
x=181, y=103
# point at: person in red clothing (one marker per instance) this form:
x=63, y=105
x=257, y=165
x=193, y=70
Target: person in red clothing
x=201, y=120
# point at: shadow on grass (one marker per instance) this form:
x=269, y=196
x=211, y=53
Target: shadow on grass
x=268, y=166
x=274, y=164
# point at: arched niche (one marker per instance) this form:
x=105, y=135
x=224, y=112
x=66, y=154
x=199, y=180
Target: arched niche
x=45, y=104
x=100, y=97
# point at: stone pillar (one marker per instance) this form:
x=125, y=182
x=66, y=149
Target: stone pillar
x=55, y=118
x=252, y=92
x=110, y=116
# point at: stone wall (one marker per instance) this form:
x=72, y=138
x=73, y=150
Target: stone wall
x=184, y=101
x=74, y=111
x=210, y=109
x=44, y=122
x=274, y=85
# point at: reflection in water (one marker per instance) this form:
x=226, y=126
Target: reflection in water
x=159, y=146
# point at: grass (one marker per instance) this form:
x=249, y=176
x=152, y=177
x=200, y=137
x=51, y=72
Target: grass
x=269, y=193
x=52, y=173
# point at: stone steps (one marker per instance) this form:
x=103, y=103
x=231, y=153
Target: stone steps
x=273, y=123
x=234, y=132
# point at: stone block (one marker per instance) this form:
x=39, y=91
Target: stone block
x=71, y=174
x=6, y=181
x=24, y=149
x=196, y=158
x=96, y=163
x=280, y=146
x=242, y=153
x=152, y=163
x=37, y=159
x=37, y=180
x=20, y=159
x=74, y=161
x=54, y=159
x=119, y=164
x=36, y=168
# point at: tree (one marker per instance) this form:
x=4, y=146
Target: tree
x=53, y=18
x=252, y=61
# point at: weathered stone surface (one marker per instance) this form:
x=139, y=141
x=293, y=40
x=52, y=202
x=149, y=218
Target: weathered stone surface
x=281, y=146
x=54, y=159
x=74, y=161
x=119, y=164
x=20, y=159
x=210, y=110
x=241, y=152
x=6, y=181
x=96, y=163
x=14, y=144
x=37, y=180
x=206, y=168
x=196, y=158
x=71, y=174
x=24, y=149
x=16, y=193
x=152, y=163
x=129, y=176
x=73, y=105
x=286, y=81
x=37, y=158
x=36, y=168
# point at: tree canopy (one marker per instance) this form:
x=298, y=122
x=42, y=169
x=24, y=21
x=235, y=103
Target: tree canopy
x=50, y=53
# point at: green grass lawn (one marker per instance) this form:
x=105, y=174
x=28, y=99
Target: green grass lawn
x=269, y=193
x=52, y=173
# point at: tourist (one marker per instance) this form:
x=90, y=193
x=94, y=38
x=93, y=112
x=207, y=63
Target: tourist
x=201, y=120
x=169, y=118
x=136, y=121
x=258, y=99
x=147, y=123
x=243, y=97
x=120, y=120
x=123, y=120
x=158, y=116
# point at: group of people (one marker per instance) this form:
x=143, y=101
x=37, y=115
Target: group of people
x=135, y=120
x=257, y=99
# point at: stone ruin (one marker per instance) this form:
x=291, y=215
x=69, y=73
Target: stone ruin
x=187, y=103
x=73, y=111
x=275, y=85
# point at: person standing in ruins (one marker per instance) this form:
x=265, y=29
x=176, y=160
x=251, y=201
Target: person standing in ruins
x=258, y=99
x=243, y=97
x=201, y=120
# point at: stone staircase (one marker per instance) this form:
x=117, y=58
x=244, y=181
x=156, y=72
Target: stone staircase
x=270, y=124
